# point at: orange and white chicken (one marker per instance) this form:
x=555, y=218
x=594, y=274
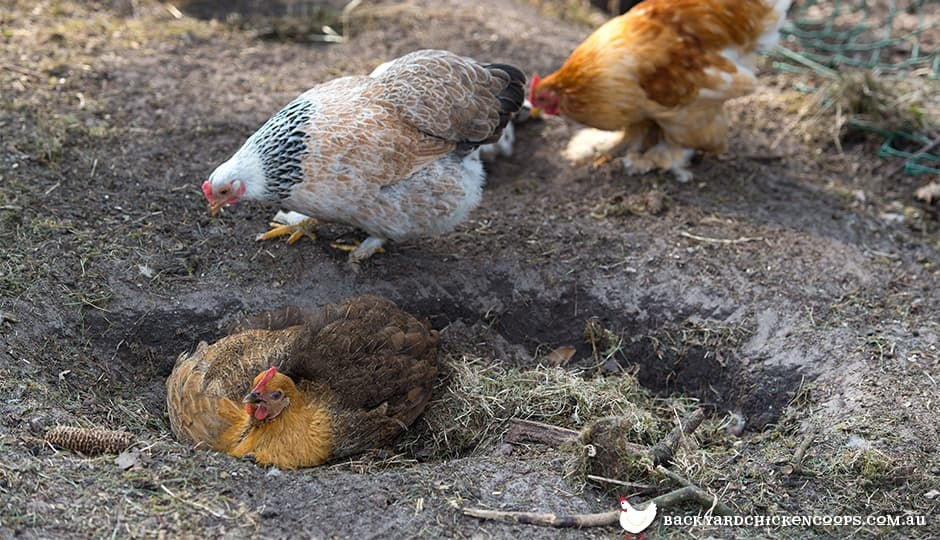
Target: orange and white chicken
x=392, y=153
x=342, y=379
x=661, y=74
x=636, y=521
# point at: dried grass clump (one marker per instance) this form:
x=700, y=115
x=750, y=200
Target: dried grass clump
x=865, y=100
x=476, y=402
x=608, y=449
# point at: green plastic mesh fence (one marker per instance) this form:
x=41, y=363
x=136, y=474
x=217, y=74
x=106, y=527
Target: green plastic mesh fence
x=898, y=38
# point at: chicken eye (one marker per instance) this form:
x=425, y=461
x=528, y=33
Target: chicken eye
x=276, y=394
x=224, y=191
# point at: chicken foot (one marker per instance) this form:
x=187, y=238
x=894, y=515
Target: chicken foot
x=664, y=156
x=293, y=224
x=361, y=251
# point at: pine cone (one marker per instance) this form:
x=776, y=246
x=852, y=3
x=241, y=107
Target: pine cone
x=90, y=442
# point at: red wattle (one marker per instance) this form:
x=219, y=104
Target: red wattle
x=207, y=190
x=261, y=412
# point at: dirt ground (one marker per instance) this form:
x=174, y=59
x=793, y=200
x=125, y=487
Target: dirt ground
x=788, y=284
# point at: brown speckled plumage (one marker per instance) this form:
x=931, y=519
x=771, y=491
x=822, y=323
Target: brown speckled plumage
x=390, y=153
x=364, y=365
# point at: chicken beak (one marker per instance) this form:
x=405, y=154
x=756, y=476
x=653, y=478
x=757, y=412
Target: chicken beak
x=252, y=397
x=214, y=207
x=534, y=112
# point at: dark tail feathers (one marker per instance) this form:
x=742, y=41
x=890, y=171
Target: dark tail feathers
x=511, y=97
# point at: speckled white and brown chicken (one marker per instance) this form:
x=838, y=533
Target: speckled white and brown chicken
x=392, y=153
x=295, y=388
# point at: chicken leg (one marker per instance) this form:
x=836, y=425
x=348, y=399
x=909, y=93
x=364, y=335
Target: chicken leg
x=663, y=155
x=294, y=224
x=361, y=251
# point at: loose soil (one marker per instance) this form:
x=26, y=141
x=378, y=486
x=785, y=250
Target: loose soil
x=788, y=287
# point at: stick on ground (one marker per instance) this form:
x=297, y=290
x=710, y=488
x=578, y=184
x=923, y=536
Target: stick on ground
x=665, y=450
x=673, y=498
x=796, y=463
x=642, y=488
x=529, y=431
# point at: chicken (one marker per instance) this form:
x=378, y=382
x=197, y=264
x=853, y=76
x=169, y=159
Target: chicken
x=295, y=388
x=661, y=73
x=504, y=146
x=392, y=153
x=636, y=521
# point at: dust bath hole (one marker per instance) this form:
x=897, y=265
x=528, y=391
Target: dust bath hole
x=670, y=354
x=673, y=350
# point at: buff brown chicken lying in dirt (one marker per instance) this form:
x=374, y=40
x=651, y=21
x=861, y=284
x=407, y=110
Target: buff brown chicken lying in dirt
x=392, y=153
x=295, y=388
x=661, y=74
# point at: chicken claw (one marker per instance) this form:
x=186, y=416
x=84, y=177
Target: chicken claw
x=295, y=230
x=674, y=159
x=361, y=251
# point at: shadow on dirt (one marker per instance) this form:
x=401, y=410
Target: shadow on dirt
x=670, y=355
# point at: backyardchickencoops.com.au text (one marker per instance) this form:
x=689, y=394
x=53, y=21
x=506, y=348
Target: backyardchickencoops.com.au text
x=796, y=521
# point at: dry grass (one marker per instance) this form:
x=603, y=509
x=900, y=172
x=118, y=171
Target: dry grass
x=475, y=401
x=864, y=100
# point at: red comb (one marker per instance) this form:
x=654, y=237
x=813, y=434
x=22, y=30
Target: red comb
x=207, y=190
x=535, y=82
x=271, y=372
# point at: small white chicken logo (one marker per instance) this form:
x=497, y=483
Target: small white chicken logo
x=636, y=521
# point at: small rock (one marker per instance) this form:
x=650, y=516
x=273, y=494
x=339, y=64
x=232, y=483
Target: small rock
x=37, y=424
x=503, y=449
x=929, y=193
x=127, y=459
x=274, y=472
x=655, y=201
x=857, y=443
x=736, y=426
x=267, y=513
x=932, y=494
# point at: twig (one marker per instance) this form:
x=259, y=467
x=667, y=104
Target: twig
x=527, y=430
x=796, y=462
x=194, y=504
x=21, y=70
x=673, y=498
x=797, y=57
x=665, y=449
x=924, y=149
x=546, y=520
x=347, y=15
x=681, y=480
x=715, y=506
x=173, y=11
x=804, y=446
x=720, y=240
x=693, y=494
x=764, y=157
x=644, y=488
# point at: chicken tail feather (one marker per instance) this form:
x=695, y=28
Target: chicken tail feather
x=511, y=98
